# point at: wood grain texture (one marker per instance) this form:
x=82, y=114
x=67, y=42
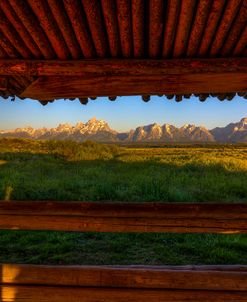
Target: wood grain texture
x=111, y=24
x=229, y=278
x=75, y=294
x=32, y=25
x=216, y=12
x=171, y=20
x=20, y=28
x=46, y=88
x=67, y=79
x=138, y=27
x=123, y=67
x=122, y=283
x=124, y=217
x=125, y=27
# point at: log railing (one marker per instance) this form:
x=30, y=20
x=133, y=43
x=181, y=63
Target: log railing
x=123, y=283
x=123, y=217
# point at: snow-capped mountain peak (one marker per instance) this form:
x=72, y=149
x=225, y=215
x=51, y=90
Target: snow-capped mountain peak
x=99, y=130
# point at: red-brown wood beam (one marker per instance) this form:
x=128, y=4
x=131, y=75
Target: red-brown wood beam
x=112, y=217
x=9, y=31
x=215, y=14
x=241, y=45
x=92, y=10
x=111, y=24
x=183, y=28
x=191, y=277
x=125, y=27
x=172, y=13
x=236, y=30
x=78, y=21
x=138, y=27
x=123, y=67
x=8, y=47
x=67, y=79
x=50, y=27
x=198, y=26
x=65, y=27
x=228, y=16
x=156, y=23
x=20, y=28
x=27, y=17
x=91, y=294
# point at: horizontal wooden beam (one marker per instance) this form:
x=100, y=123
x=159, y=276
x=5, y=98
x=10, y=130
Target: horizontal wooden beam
x=232, y=278
x=121, y=67
x=89, y=294
x=109, y=77
x=122, y=283
x=49, y=88
x=123, y=217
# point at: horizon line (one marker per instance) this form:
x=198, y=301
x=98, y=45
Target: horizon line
x=94, y=118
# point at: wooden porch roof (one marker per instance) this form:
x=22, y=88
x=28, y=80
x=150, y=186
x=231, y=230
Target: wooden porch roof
x=176, y=47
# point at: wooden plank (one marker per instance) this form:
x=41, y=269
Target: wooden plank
x=46, y=88
x=74, y=294
x=125, y=217
x=85, y=78
x=88, y=78
x=123, y=67
x=220, y=278
x=121, y=209
x=122, y=283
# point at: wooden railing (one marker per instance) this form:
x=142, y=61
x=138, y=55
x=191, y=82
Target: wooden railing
x=126, y=283
x=123, y=217
x=123, y=283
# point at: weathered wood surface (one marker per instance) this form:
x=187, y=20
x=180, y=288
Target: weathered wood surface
x=104, y=77
x=121, y=67
x=74, y=294
x=231, y=278
x=126, y=283
x=123, y=217
x=46, y=88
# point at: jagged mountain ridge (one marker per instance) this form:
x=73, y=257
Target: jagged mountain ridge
x=234, y=132
x=100, y=131
x=94, y=129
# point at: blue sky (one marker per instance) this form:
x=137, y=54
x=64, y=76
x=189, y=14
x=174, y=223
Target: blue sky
x=123, y=114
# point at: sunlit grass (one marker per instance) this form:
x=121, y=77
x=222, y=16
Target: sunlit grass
x=39, y=170
x=65, y=171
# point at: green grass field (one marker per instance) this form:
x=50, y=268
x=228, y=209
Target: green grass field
x=48, y=170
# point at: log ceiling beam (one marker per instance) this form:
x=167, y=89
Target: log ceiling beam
x=121, y=67
x=124, y=217
x=113, y=77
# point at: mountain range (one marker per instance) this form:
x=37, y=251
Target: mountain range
x=100, y=131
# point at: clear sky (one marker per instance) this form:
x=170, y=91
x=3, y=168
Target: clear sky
x=123, y=114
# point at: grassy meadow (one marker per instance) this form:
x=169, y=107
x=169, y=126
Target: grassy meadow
x=65, y=171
